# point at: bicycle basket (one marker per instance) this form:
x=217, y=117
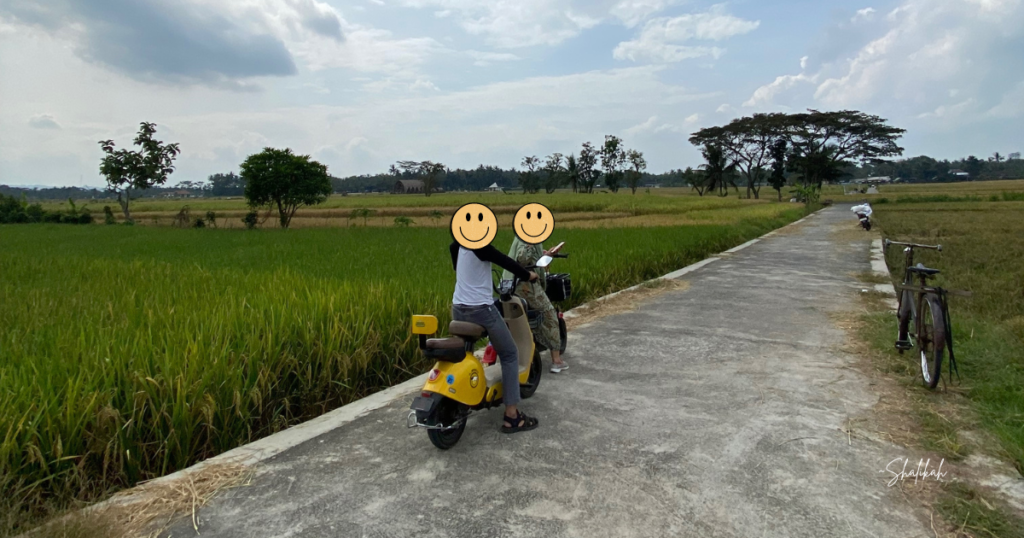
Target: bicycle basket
x=559, y=287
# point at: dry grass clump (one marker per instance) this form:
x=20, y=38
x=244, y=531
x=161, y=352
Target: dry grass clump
x=149, y=509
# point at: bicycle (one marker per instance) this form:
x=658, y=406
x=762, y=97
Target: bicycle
x=928, y=308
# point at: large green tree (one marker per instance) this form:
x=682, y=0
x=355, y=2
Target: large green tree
x=829, y=141
x=973, y=166
x=696, y=179
x=613, y=157
x=747, y=142
x=555, y=169
x=777, y=178
x=822, y=144
x=278, y=177
x=127, y=170
x=229, y=184
x=572, y=172
x=529, y=177
x=429, y=172
x=637, y=166
x=588, y=171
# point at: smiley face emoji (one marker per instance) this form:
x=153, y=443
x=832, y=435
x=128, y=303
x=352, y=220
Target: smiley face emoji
x=534, y=223
x=474, y=226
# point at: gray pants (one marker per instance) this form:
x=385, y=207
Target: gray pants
x=489, y=318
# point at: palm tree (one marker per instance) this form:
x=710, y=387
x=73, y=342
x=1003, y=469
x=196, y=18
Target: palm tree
x=572, y=171
x=718, y=170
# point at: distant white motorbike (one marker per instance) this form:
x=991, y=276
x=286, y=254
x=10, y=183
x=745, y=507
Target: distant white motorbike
x=863, y=213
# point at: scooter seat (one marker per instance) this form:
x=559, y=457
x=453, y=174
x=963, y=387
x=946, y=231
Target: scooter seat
x=466, y=329
x=453, y=342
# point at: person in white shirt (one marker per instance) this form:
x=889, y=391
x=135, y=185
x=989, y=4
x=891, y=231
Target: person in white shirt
x=473, y=301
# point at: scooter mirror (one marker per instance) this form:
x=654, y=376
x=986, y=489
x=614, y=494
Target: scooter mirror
x=544, y=261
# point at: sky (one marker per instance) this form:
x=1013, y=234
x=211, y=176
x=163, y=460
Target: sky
x=360, y=84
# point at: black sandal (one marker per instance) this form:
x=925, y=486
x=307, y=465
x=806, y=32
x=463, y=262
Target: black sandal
x=521, y=423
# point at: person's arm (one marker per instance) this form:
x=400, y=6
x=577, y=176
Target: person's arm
x=491, y=254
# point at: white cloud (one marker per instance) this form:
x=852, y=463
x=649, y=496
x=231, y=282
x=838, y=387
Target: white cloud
x=659, y=52
x=520, y=23
x=423, y=84
x=864, y=14
x=646, y=126
x=1011, y=105
x=483, y=59
x=931, y=44
x=652, y=125
x=950, y=111
x=633, y=12
x=660, y=39
x=803, y=62
x=944, y=62
x=766, y=94
x=369, y=50
x=43, y=121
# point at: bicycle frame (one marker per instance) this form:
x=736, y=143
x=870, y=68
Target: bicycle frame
x=908, y=277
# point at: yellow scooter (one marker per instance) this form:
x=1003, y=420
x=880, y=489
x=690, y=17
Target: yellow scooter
x=459, y=383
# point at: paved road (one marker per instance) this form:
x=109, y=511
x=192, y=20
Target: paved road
x=713, y=411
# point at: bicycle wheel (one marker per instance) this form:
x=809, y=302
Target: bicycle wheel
x=932, y=340
x=906, y=320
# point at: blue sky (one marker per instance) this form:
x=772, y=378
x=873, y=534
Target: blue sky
x=360, y=84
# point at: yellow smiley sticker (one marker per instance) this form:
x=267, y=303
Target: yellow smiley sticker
x=474, y=226
x=534, y=223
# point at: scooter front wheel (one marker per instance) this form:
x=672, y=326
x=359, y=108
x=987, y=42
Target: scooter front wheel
x=533, y=380
x=446, y=422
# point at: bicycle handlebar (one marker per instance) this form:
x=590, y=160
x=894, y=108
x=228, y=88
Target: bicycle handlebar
x=912, y=245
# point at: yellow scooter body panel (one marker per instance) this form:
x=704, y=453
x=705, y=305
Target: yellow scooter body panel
x=463, y=381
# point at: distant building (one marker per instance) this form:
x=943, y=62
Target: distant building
x=495, y=188
x=408, y=186
x=956, y=172
x=875, y=180
x=179, y=194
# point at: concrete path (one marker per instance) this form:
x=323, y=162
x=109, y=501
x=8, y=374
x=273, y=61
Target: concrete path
x=713, y=411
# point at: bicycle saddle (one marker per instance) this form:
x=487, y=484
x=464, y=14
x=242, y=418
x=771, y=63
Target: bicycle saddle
x=923, y=270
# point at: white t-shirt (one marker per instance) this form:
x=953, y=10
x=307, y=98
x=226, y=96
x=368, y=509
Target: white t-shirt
x=472, y=280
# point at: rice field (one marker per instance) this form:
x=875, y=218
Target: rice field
x=983, y=252
x=130, y=352
x=674, y=206
x=913, y=192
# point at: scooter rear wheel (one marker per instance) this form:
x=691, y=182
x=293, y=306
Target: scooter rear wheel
x=447, y=413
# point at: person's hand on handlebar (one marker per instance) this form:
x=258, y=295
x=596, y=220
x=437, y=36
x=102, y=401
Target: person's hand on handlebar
x=533, y=276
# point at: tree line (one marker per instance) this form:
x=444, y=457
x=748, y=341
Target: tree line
x=808, y=148
x=925, y=169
